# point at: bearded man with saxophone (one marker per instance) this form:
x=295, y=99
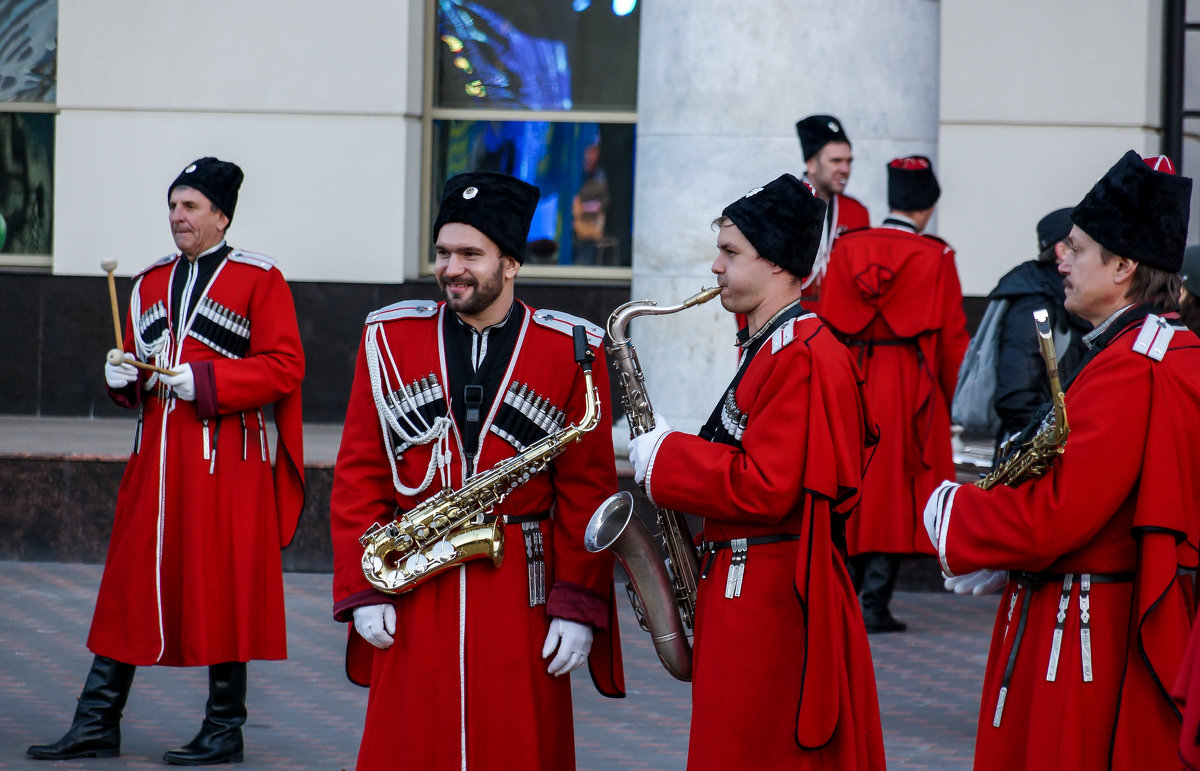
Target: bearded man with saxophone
x=465, y=670
x=1100, y=549
x=782, y=674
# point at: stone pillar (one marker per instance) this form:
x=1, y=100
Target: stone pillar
x=720, y=88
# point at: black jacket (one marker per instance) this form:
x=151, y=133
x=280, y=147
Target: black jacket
x=1022, y=388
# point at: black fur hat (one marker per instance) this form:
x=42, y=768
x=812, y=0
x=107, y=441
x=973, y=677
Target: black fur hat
x=816, y=131
x=783, y=221
x=217, y=180
x=1139, y=212
x=498, y=205
x=912, y=185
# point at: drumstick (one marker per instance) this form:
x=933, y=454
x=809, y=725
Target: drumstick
x=108, y=266
x=115, y=356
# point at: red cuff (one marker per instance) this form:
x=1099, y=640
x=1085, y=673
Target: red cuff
x=575, y=603
x=344, y=610
x=206, y=389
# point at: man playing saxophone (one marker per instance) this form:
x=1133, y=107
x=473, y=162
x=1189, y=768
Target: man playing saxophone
x=1099, y=550
x=782, y=674
x=465, y=670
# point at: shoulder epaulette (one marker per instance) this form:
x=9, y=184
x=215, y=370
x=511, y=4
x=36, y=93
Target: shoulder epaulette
x=155, y=264
x=565, y=323
x=405, y=309
x=781, y=337
x=250, y=258
x=1154, y=337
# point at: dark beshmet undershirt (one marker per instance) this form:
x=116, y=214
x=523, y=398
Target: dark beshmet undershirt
x=475, y=358
x=204, y=267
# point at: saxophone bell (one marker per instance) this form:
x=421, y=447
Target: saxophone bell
x=615, y=527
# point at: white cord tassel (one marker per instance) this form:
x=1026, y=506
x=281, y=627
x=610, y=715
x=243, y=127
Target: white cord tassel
x=382, y=391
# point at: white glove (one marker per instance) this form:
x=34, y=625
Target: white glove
x=122, y=375
x=574, y=643
x=642, y=447
x=183, y=383
x=938, y=502
x=977, y=583
x=376, y=624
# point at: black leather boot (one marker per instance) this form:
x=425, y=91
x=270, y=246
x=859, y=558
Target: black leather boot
x=96, y=729
x=879, y=572
x=220, y=737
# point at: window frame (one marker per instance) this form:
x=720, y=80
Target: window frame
x=431, y=113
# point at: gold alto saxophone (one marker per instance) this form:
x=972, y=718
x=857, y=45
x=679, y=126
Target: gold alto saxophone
x=1033, y=457
x=665, y=603
x=448, y=529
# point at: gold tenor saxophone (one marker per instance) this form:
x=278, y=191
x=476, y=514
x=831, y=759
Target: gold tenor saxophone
x=664, y=604
x=1034, y=456
x=448, y=529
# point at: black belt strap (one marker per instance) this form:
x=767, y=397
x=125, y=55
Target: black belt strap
x=712, y=547
x=1033, y=582
x=514, y=519
x=1038, y=580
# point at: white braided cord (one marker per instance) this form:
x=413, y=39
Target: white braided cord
x=382, y=391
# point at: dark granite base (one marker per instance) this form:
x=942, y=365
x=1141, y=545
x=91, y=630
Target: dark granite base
x=64, y=326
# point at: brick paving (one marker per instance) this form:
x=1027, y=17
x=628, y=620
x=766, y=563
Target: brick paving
x=305, y=714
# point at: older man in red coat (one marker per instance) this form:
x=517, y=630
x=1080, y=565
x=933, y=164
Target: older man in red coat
x=892, y=294
x=782, y=673
x=193, y=575
x=1100, y=549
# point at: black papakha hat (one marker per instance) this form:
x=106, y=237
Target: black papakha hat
x=217, y=180
x=1190, y=272
x=816, y=131
x=1138, y=212
x=912, y=185
x=1054, y=227
x=498, y=205
x=782, y=221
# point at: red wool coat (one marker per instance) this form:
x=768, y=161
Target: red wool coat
x=193, y=574
x=782, y=674
x=894, y=297
x=465, y=677
x=1123, y=502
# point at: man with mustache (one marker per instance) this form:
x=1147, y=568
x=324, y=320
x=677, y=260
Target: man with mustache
x=466, y=669
x=194, y=575
x=1101, y=549
x=782, y=674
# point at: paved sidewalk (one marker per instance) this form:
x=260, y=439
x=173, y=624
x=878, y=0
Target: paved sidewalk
x=304, y=714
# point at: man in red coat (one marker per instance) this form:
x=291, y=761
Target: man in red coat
x=466, y=669
x=1098, y=605
x=827, y=161
x=193, y=575
x=782, y=672
x=892, y=294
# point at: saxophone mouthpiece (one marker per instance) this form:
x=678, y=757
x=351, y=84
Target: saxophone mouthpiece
x=703, y=296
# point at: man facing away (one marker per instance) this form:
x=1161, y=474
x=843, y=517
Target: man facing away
x=892, y=294
x=782, y=673
x=194, y=574
x=466, y=669
x=1100, y=550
